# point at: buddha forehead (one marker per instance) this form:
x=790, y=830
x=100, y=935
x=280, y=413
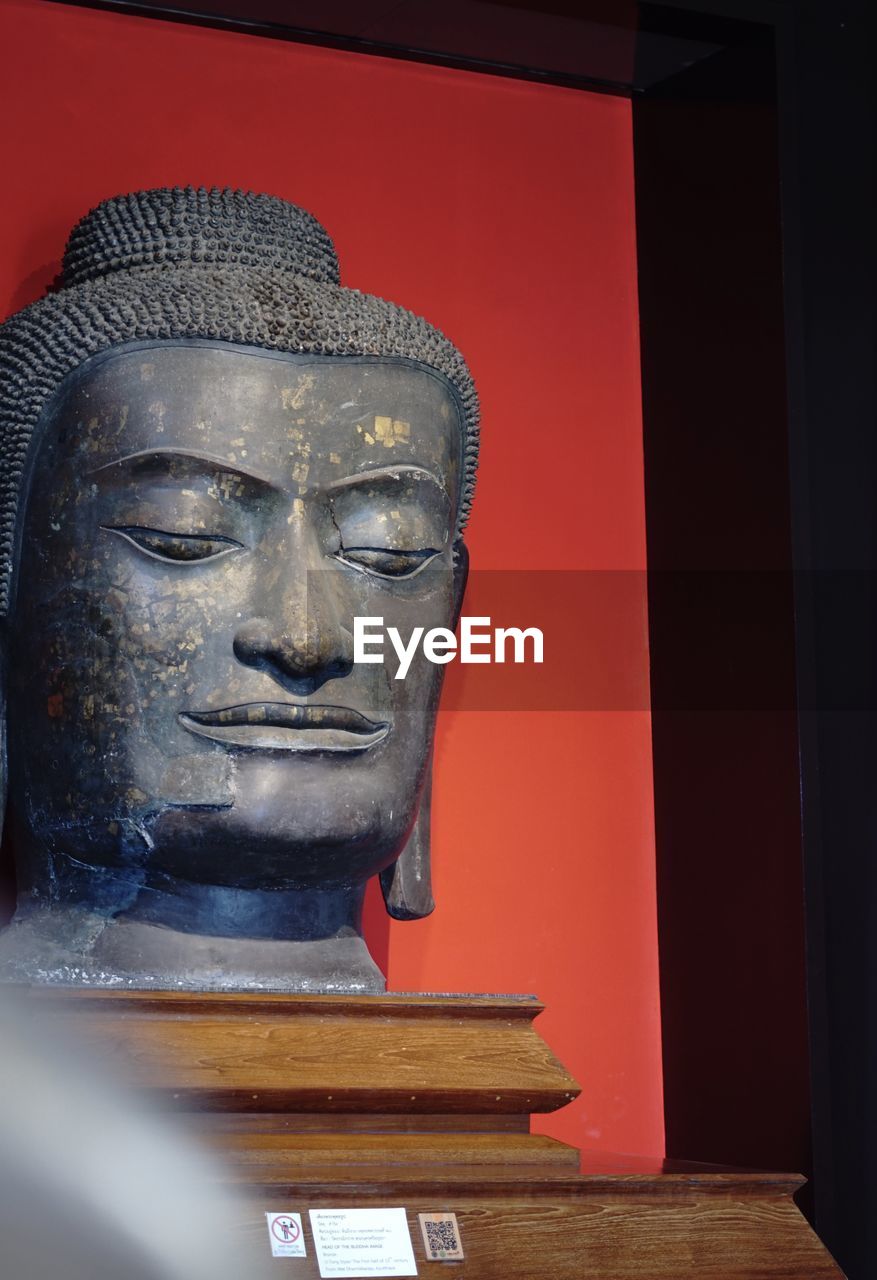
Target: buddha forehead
x=294, y=421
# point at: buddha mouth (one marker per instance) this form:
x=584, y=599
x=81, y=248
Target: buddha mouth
x=287, y=726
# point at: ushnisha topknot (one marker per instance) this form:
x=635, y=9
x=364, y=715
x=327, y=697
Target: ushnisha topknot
x=227, y=265
x=183, y=225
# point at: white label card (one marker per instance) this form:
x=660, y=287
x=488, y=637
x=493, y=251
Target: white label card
x=286, y=1235
x=362, y=1242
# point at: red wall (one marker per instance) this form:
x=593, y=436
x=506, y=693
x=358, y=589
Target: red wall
x=504, y=212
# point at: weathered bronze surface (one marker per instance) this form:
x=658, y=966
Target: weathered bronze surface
x=201, y=779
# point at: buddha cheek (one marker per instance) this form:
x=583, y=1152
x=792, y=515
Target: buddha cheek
x=115, y=674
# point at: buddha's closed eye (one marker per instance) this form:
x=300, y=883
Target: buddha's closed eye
x=174, y=548
x=385, y=562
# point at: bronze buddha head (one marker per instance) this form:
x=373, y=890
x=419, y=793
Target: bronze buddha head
x=217, y=458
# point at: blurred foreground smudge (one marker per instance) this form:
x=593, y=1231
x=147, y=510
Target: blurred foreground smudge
x=93, y=1184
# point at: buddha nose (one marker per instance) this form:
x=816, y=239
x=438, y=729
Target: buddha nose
x=302, y=643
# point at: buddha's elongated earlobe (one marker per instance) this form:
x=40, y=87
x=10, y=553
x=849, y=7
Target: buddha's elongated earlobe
x=407, y=883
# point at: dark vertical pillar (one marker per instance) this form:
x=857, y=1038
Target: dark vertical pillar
x=827, y=117
x=730, y=893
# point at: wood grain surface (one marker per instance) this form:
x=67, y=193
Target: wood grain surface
x=324, y=1054
x=611, y=1237
x=423, y=1102
x=281, y=1155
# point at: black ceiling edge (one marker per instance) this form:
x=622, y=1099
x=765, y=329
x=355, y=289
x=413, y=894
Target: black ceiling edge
x=357, y=44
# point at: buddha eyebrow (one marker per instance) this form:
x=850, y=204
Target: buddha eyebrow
x=161, y=461
x=399, y=473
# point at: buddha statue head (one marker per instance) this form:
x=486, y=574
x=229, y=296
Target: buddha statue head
x=215, y=458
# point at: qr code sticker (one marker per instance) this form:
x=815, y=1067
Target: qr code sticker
x=441, y=1236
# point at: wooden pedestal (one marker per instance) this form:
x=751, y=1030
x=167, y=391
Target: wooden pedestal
x=424, y=1102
